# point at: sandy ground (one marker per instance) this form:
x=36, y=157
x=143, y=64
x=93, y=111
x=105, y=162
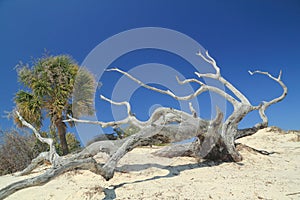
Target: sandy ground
x=144, y=176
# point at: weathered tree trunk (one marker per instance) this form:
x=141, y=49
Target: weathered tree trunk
x=88, y=164
x=61, y=131
x=215, y=138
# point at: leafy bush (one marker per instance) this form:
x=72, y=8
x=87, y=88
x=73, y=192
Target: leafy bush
x=73, y=143
x=17, y=150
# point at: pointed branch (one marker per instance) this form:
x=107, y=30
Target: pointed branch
x=211, y=61
x=102, y=124
x=204, y=88
x=48, y=141
x=267, y=74
x=218, y=76
x=199, y=91
x=168, y=92
x=129, y=119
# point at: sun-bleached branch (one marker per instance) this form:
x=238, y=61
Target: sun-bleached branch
x=265, y=104
x=48, y=141
x=203, y=88
x=192, y=109
x=168, y=92
x=211, y=61
x=51, y=156
x=182, y=82
x=164, y=115
x=127, y=104
x=217, y=76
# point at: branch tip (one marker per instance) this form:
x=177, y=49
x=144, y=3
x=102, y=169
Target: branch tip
x=279, y=76
x=111, y=69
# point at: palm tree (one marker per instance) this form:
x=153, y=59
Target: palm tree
x=49, y=85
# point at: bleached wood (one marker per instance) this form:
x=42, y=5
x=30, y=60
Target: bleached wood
x=218, y=76
x=51, y=156
x=192, y=109
x=265, y=104
x=215, y=138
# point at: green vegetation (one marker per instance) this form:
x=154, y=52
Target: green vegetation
x=17, y=151
x=48, y=88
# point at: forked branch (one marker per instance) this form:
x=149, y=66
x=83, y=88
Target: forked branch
x=265, y=104
x=51, y=156
x=217, y=76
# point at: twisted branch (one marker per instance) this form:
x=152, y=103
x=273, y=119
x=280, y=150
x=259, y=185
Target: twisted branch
x=265, y=104
x=51, y=156
x=218, y=76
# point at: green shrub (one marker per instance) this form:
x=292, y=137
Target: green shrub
x=17, y=150
x=73, y=143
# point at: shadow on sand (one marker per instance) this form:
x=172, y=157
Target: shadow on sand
x=173, y=171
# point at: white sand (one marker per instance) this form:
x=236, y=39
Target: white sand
x=145, y=176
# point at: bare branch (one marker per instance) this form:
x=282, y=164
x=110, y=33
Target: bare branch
x=129, y=119
x=127, y=104
x=169, y=115
x=53, y=155
x=218, y=76
x=34, y=163
x=204, y=88
x=189, y=81
x=85, y=164
x=211, y=61
x=199, y=91
x=266, y=104
x=194, y=113
x=267, y=74
x=168, y=92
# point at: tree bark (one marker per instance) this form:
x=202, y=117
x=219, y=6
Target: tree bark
x=88, y=163
x=61, y=131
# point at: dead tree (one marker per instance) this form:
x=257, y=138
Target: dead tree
x=215, y=138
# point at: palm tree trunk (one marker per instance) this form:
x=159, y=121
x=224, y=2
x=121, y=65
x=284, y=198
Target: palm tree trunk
x=61, y=131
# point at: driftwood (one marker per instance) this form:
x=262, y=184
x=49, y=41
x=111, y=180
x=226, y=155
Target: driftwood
x=214, y=139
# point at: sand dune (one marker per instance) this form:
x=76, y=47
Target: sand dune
x=142, y=175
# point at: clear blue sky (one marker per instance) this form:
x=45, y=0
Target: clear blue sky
x=240, y=35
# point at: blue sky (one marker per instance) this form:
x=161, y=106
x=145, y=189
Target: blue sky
x=240, y=35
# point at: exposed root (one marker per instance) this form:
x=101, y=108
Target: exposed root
x=240, y=146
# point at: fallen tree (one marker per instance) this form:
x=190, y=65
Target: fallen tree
x=215, y=139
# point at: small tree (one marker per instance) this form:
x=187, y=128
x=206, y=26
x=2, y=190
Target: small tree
x=49, y=87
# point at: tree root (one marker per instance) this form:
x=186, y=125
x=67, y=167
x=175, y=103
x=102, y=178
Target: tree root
x=240, y=146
